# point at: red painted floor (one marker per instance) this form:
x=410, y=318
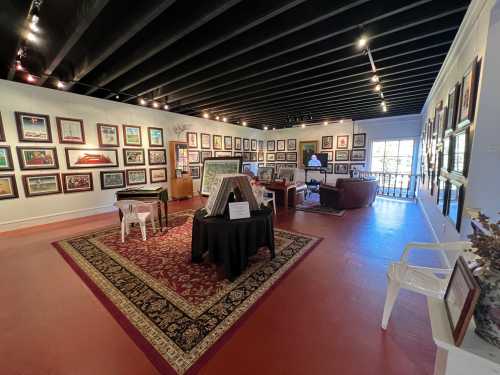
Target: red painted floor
x=322, y=319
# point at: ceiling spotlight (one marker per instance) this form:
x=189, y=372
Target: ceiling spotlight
x=34, y=28
x=384, y=109
x=244, y=123
x=35, y=19
x=378, y=88
x=117, y=96
x=142, y=101
x=341, y=121
x=31, y=37
x=206, y=115
x=274, y=128
x=60, y=85
x=382, y=103
x=224, y=119
x=325, y=123
x=265, y=127
x=362, y=42
x=381, y=95
x=217, y=118
x=303, y=125
x=30, y=78
x=375, y=78
x=155, y=104
x=166, y=107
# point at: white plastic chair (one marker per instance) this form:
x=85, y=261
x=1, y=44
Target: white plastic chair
x=423, y=280
x=270, y=196
x=136, y=212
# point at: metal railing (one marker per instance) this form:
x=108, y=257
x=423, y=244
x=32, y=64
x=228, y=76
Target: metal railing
x=395, y=185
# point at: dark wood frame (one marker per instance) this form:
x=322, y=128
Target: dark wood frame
x=329, y=168
x=125, y=150
x=209, y=141
x=157, y=150
x=151, y=175
x=461, y=200
x=198, y=159
x=253, y=155
x=202, y=172
x=59, y=130
x=124, y=129
x=22, y=164
x=288, y=144
x=216, y=136
x=358, y=150
x=337, y=152
x=195, y=137
x=67, y=149
x=228, y=137
x=149, y=136
x=473, y=69
x=336, y=165
x=99, y=136
x=347, y=143
x=253, y=145
x=280, y=142
x=474, y=291
x=20, y=127
x=301, y=151
x=25, y=184
x=198, y=167
x=65, y=187
x=136, y=183
x=204, y=157
x=221, y=154
x=114, y=187
x=273, y=143
x=330, y=155
x=246, y=144
x=355, y=135
x=325, y=137
x=260, y=156
x=266, y=167
x=453, y=99
x=281, y=157
x=13, y=183
x=239, y=143
x=2, y=131
x=271, y=159
x=9, y=159
x=260, y=145
x=294, y=158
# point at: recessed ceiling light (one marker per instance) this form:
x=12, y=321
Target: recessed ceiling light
x=362, y=42
x=30, y=78
x=384, y=109
x=224, y=119
x=378, y=88
x=341, y=121
x=31, y=37
x=265, y=127
x=244, y=123
x=274, y=128
x=217, y=118
x=166, y=107
x=325, y=123
x=383, y=103
x=206, y=115
x=142, y=101
x=303, y=125
x=60, y=85
x=155, y=105
x=375, y=78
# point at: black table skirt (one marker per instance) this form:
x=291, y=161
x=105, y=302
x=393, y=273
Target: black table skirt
x=232, y=242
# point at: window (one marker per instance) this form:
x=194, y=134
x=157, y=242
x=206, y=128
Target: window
x=393, y=156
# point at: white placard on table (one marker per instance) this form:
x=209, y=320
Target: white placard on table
x=239, y=210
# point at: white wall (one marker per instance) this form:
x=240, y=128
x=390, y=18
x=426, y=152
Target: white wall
x=15, y=213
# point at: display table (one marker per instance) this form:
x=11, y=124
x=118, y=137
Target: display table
x=474, y=357
x=159, y=195
x=285, y=193
x=232, y=242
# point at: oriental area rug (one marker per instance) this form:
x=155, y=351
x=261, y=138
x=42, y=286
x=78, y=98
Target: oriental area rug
x=177, y=312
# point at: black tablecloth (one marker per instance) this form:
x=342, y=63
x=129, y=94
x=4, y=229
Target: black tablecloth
x=232, y=242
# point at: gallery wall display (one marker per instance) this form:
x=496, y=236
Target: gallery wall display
x=134, y=156
x=41, y=184
x=205, y=141
x=132, y=135
x=157, y=175
x=215, y=166
x=228, y=142
x=136, y=176
x=112, y=179
x=77, y=182
x=33, y=158
x=157, y=157
x=77, y=158
x=217, y=142
x=192, y=139
x=70, y=130
x=341, y=155
x=108, y=135
x=33, y=127
x=8, y=186
x=155, y=137
x=342, y=141
x=6, y=163
x=327, y=142
x=359, y=140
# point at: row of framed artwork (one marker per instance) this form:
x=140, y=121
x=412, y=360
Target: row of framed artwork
x=38, y=158
x=332, y=168
x=358, y=141
x=346, y=155
x=197, y=156
x=222, y=142
x=32, y=127
x=55, y=183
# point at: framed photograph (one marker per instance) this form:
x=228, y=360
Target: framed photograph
x=8, y=186
x=41, y=184
x=291, y=144
x=136, y=176
x=291, y=156
x=6, y=163
x=132, y=135
x=237, y=153
x=330, y=155
x=468, y=95
x=261, y=145
x=155, y=137
x=217, y=142
x=108, y=135
x=453, y=101
x=359, y=140
x=77, y=182
x=222, y=154
x=246, y=156
x=157, y=175
x=157, y=157
x=460, y=299
x=195, y=171
x=237, y=143
x=33, y=127
x=134, y=156
x=70, y=130
x=194, y=156
x=271, y=156
x=205, y=141
x=192, y=139
x=341, y=155
x=280, y=145
x=343, y=141
x=246, y=144
x=260, y=155
x=205, y=154
x=281, y=156
x=112, y=179
x=77, y=158
x=306, y=150
x=215, y=166
x=341, y=168
x=329, y=168
x=327, y=142
x=358, y=155
x=265, y=174
x=271, y=146
x=2, y=131
x=253, y=156
x=253, y=145
x=228, y=142
x=32, y=158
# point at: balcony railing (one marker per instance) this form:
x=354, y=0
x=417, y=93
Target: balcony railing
x=395, y=185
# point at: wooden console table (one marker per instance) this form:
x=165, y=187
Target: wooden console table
x=287, y=190
x=158, y=195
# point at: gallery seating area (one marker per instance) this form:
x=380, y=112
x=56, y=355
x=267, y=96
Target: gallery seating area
x=249, y=187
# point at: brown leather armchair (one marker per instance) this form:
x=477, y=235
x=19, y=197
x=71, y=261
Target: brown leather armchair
x=349, y=193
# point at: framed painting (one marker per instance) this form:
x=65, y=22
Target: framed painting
x=327, y=142
x=341, y=155
x=237, y=143
x=136, y=176
x=261, y=145
x=112, y=179
x=215, y=166
x=281, y=156
x=157, y=157
x=222, y=154
x=77, y=182
x=237, y=153
x=228, y=142
x=6, y=163
x=271, y=156
x=33, y=127
x=8, y=186
x=205, y=154
x=132, y=135
x=195, y=171
x=260, y=155
x=271, y=146
x=32, y=158
x=453, y=101
x=342, y=141
x=41, y=184
x=217, y=142
x=253, y=145
x=329, y=168
x=253, y=155
x=280, y=145
x=157, y=175
x=194, y=156
x=134, y=156
x=2, y=130
x=246, y=156
x=246, y=144
x=468, y=95
x=359, y=140
x=77, y=158
x=291, y=144
x=70, y=130
x=341, y=168
x=291, y=156
x=330, y=155
x=265, y=174
x=306, y=150
x=358, y=155
x=108, y=135
x=155, y=137
x=205, y=141
x=192, y=139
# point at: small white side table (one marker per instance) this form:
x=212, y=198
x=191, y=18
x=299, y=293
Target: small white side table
x=474, y=357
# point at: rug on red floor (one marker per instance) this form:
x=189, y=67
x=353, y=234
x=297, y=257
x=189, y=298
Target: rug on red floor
x=178, y=312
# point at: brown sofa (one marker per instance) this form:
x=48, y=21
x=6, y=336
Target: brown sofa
x=349, y=193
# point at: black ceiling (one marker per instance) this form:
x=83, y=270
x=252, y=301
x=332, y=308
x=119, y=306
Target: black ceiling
x=266, y=62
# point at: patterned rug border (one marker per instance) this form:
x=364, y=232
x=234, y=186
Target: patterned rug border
x=151, y=353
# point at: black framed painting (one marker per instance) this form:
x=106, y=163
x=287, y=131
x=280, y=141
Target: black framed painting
x=280, y=145
x=157, y=157
x=205, y=141
x=342, y=141
x=217, y=142
x=253, y=145
x=112, y=179
x=358, y=155
x=136, y=176
x=108, y=135
x=341, y=155
x=281, y=156
x=155, y=137
x=78, y=158
x=205, y=154
x=195, y=171
x=291, y=156
x=192, y=139
x=453, y=101
x=271, y=156
x=271, y=145
x=467, y=106
x=327, y=142
x=41, y=184
x=77, y=182
x=134, y=156
x=194, y=156
x=291, y=144
x=246, y=144
x=157, y=175
x=237, y=143
x=341, y=168
x=359, y=140
x=228, y=142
